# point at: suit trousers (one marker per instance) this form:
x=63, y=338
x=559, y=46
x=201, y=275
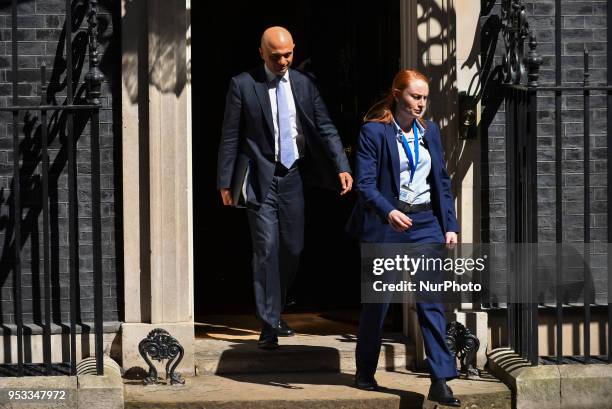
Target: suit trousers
x=277, y=235
x=425, y=229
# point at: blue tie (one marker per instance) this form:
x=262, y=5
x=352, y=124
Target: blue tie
x=287, y=155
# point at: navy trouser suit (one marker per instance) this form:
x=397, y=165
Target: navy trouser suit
x=377, y=182
x=275, y=199
x=425, y=229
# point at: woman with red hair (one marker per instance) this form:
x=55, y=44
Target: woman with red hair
x=404, y=197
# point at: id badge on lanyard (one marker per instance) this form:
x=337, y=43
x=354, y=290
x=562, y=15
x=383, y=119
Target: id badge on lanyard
x=407, y=191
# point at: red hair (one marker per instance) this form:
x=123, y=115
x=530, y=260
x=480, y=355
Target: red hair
x=382, y=111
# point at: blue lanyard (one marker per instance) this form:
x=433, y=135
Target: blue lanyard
x=412, y=162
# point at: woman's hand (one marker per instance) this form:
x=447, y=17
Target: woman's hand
x=451, y=237
x=399, y=221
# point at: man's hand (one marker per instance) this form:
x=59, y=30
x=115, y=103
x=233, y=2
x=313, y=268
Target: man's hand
x=346, y=180
x=399, y=221
x=226, y=196
x=451, y=238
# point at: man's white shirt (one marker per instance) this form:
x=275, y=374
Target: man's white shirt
x=296, y=127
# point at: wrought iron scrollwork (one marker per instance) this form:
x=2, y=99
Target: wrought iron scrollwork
x=516, y=31
x=94, y=76
x=159, y=345
x=464, y=345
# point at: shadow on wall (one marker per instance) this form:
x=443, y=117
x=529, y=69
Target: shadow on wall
x=152, y=51
x=151, y=55
x=30, y=152
x=484, y=86
x=491, y=77
x=437, y=57
x=440, y=40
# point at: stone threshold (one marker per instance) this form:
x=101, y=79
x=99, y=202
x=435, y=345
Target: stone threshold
x=300, y=353
x=398, y=389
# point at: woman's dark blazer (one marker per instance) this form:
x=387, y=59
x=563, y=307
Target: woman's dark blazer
x=377, y=180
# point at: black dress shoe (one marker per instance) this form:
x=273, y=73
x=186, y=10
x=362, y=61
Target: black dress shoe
x=284, y=330
x=267, y=338
x=440, y=392
x=365, y=382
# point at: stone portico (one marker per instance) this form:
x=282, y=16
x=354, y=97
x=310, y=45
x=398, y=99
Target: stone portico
x=157, y=184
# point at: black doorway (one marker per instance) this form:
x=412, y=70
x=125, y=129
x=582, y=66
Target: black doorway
x=353, y=51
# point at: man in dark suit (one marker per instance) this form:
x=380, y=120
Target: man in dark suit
x=277, y=121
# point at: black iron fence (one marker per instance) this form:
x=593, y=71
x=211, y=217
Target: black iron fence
x=88, y=111
x=521, y=106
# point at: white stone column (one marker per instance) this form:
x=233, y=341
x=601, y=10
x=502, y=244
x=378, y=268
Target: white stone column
x=467, y=163
x=441, y=39
x=157, y=176
x=466, y=166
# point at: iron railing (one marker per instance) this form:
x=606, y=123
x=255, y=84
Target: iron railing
x=521, y=183
x=93, y=80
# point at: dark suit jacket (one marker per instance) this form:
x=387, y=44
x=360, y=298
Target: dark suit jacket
x=377, y=181
x=248, y=130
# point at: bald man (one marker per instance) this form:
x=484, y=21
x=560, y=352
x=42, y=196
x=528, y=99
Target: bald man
x=276, y=121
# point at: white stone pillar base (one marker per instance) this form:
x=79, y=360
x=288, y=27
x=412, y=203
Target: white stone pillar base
x=133, y=333
x=477, y=322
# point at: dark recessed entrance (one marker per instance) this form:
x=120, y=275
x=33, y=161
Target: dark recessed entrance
x=353, y=50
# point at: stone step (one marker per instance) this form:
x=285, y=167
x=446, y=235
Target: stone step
x=402, y=389
x=300, y=353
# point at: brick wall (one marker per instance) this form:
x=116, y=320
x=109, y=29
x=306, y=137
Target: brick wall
x=583, y=25
x=41, y=40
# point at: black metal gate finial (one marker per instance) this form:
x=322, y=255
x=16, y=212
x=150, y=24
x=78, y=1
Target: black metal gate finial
x=94, y=76
x=159, y=345
x=533, y=62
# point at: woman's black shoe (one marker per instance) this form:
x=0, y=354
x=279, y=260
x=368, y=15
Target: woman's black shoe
x=365, y=382
x=440, y=392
